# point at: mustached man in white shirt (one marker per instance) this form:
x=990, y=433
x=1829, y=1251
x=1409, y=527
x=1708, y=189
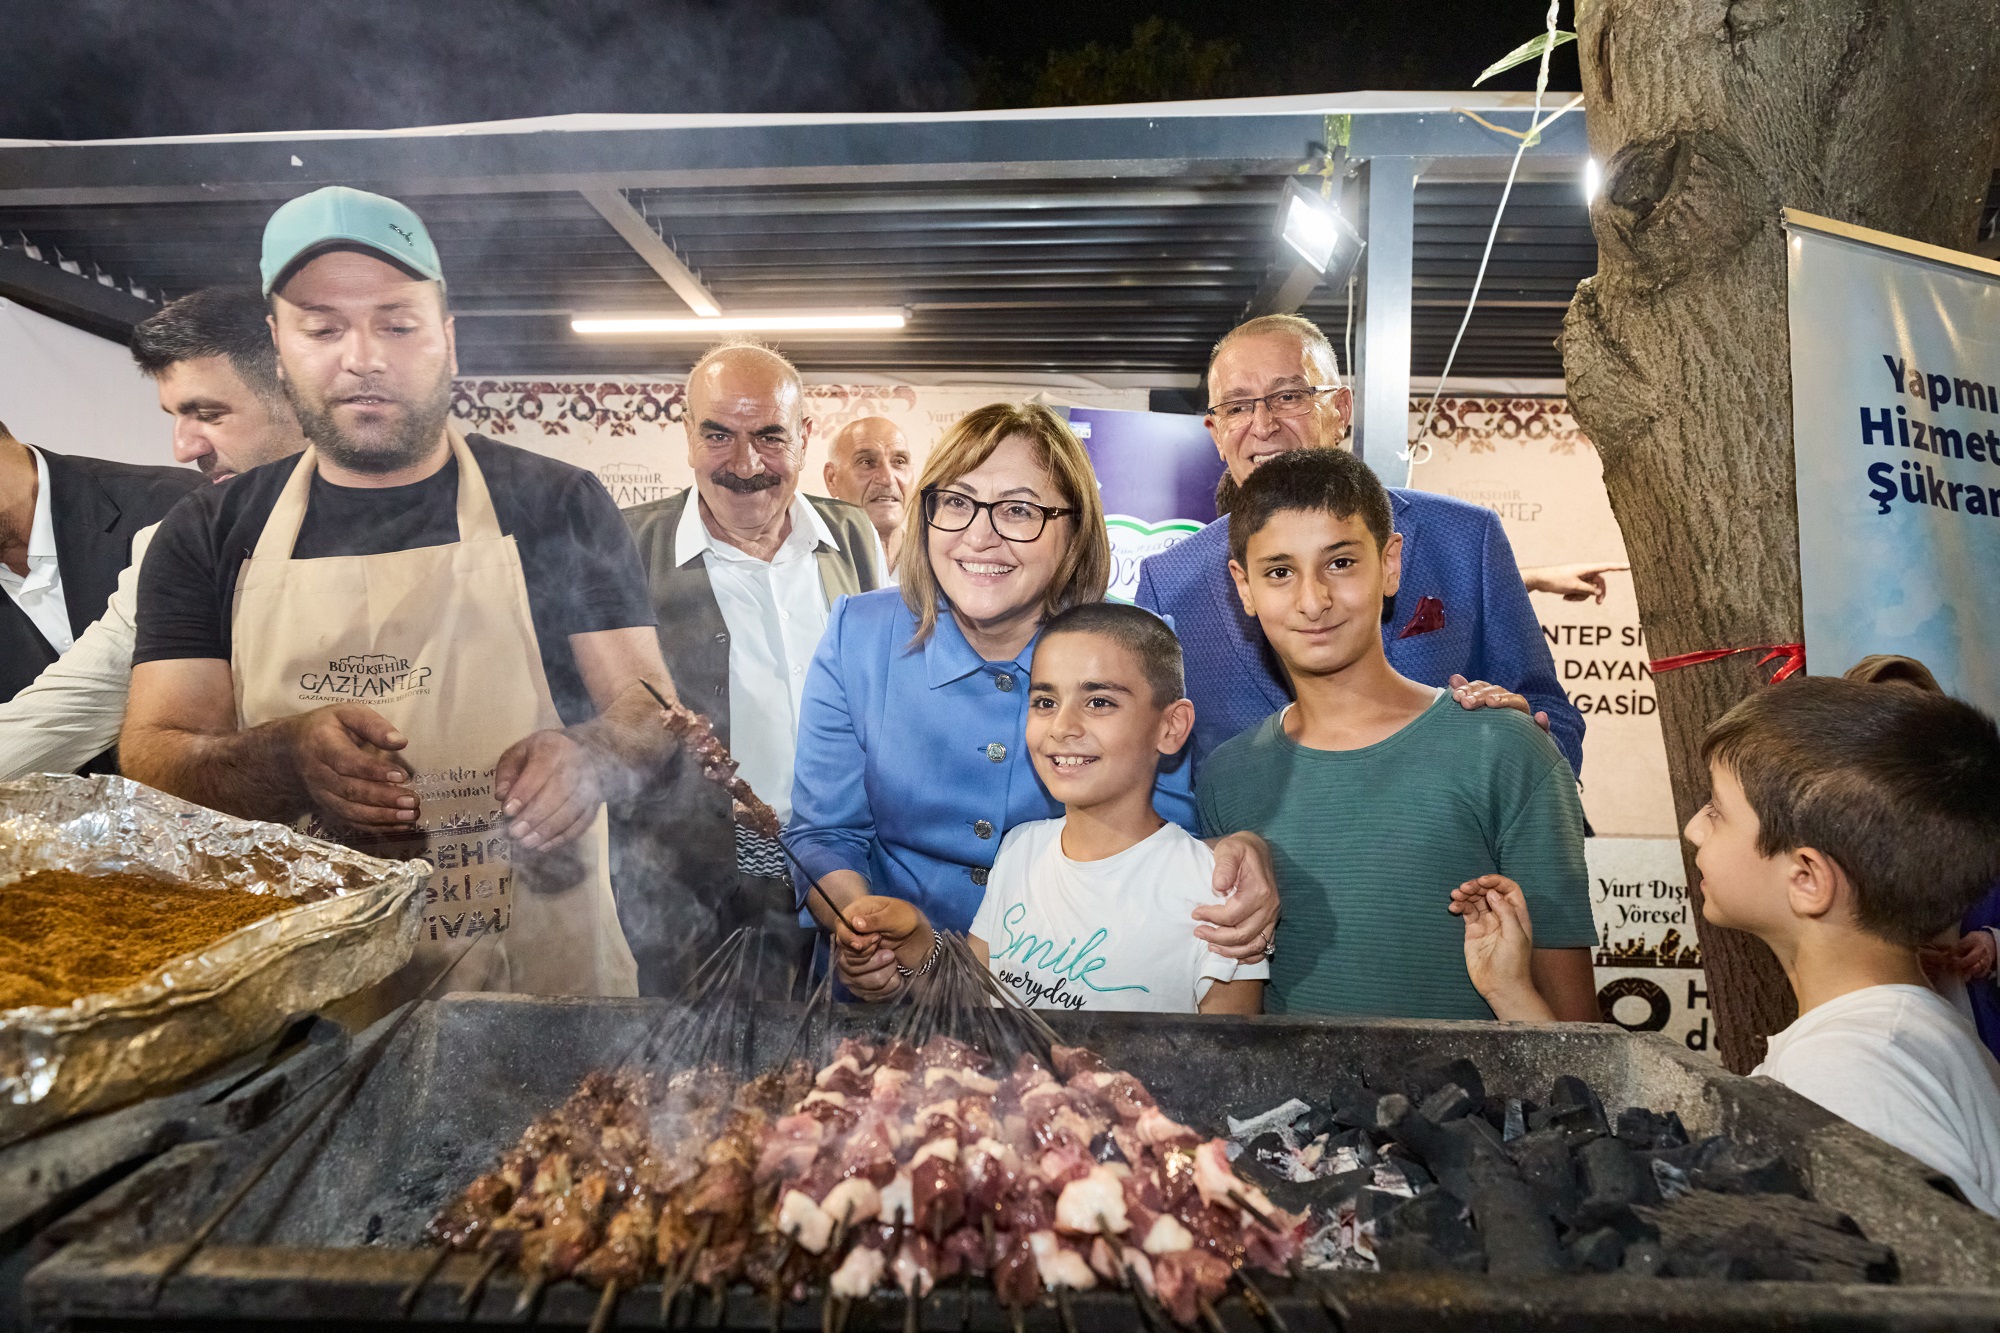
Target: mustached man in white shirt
x=743, y=570
x=1092, y=911
x=211, y=357
x=1848, y=824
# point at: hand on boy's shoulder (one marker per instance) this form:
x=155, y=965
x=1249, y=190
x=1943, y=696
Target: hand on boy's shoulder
x=1472, y=695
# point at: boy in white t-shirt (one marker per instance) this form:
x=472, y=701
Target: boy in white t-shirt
x=1846, y=825
x=1091, y=911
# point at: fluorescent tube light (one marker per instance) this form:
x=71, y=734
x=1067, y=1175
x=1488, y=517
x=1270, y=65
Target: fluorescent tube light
x=742, y=321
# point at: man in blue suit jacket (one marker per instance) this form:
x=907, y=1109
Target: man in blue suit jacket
x=1462, y=610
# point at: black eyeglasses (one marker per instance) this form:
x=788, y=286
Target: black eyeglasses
x=1014, y=520
x=1237, y=412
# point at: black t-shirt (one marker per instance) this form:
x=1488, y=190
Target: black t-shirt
x=582, y=571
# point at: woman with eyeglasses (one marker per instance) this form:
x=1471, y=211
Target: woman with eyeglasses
x=912, y=762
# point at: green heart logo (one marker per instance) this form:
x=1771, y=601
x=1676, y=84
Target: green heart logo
x=1132, y=540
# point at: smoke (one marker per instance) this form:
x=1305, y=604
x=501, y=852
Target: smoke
x=113, y=68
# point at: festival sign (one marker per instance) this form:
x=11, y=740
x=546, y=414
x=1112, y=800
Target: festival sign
x=1896, y=441
x=1647, y=962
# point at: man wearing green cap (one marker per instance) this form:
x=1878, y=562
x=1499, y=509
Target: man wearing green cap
x=422, y=643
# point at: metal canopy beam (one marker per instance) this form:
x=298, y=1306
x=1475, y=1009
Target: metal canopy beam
x=617, y=210
x=551, y=158
x=1381, y=418
x=546, y=160
x=81, y=301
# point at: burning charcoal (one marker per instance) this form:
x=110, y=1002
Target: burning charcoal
x=1644, y=1258
x=1321, y=1194
x=1357, y=1114
x=1441, y=1230
x=1614, y=1179
x=1728, y=1167
x=1313, y=1123
x=1640, y=1129
x=1599, y=1251
x=1669, y=1180
x=1448, y=1103
x=1413, y=1171
x=1545, y=1163
x=1514, y=1123
x=1520, y=1239
x=1267, y=1122
x=1424, y=1077
x=1573, y=1105
x=1776, y=1237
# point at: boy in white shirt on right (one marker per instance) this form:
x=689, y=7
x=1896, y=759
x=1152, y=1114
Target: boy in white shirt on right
x=1091, y=911
x=1847, y=824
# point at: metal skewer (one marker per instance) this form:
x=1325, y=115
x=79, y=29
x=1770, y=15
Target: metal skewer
x=1132, y=1283
x=344, y=1079
x=1063, y=1310
x=671, y=1284
x=469, y=1297
x=1260, y=1305
x=531, y=1293
x=607, y=1307
x=408, y=1300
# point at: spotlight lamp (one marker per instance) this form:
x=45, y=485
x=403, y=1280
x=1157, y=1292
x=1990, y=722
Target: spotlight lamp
x=1314, y=231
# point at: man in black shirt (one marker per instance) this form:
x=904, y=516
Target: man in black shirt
x=426, y=643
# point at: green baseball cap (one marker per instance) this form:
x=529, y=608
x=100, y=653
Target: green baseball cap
x=341, y=215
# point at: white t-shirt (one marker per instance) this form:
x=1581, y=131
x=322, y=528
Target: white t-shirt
x=1110, y=934
x=1901, y=1063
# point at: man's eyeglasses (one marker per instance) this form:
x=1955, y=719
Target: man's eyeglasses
x=1237, y=412
x=1015, y=520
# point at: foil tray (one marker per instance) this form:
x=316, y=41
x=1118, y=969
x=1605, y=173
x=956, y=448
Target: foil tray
x=355, y=925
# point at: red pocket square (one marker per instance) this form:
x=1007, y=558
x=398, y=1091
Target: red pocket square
x=1429, y=616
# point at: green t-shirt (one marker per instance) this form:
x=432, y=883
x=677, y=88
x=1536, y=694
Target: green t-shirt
x=1368, y=845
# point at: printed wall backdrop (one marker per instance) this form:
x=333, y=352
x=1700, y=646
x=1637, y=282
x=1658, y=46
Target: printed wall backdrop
x=1527, y=461
x=628, y=431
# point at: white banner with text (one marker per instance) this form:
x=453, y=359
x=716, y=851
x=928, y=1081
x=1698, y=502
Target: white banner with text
x=1896, y=437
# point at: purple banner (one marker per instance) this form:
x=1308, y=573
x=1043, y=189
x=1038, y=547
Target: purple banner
x=1157, y=473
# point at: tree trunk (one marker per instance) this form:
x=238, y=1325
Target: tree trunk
x=1709, y=116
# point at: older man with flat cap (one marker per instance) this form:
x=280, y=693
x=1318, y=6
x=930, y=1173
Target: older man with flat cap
x=743, y=570
x=436, y=644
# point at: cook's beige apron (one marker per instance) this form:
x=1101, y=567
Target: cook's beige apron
x=439, y=641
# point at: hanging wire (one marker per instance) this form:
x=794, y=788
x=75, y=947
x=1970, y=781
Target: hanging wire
x=1347, y=357
x=1410, y=453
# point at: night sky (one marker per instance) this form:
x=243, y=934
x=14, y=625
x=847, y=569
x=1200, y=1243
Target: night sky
x=83, y=69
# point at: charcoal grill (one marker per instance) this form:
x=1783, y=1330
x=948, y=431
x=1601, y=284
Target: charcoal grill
x=329, y=1238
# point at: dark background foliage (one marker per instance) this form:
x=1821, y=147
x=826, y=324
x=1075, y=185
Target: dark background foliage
x=83, y=69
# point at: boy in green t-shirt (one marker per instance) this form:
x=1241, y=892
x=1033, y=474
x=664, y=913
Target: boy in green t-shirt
x=1377, y=795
